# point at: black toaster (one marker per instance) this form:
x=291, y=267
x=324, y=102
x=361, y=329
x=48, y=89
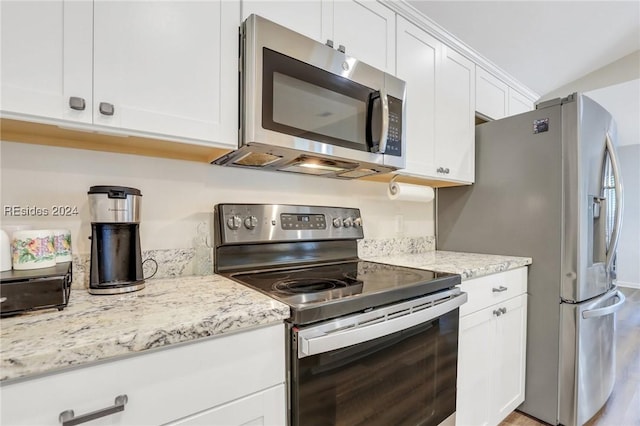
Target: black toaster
x=29, y=290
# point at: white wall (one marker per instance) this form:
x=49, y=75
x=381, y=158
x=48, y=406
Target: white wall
x=623, y=70
x=178, y=196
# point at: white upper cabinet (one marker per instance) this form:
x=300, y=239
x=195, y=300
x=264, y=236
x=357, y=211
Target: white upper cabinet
x=440, y=132
x=46, y=59
x=304, y=17
x=419, y=55
x=365, y=28
x=519, y=103
x=166, y=69
x=492, y=95
x=495, y=99
x=455, y=118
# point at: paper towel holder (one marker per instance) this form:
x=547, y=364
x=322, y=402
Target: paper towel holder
x=393, y=189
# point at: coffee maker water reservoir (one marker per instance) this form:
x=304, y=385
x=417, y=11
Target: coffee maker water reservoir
x=116, y=259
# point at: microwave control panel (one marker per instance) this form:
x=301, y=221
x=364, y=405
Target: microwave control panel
x=394, y=136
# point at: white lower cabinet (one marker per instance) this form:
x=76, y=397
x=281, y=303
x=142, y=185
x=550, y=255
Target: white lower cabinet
x=236, y=379
x=492, y=348
x=261, y=409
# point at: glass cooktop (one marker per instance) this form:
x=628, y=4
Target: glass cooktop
x=325, y=291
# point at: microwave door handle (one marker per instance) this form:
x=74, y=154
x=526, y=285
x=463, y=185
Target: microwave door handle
x=615, y=233
x=384, y=131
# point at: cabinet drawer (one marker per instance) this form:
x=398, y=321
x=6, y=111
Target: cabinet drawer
x=491, y=289
x=161, y=386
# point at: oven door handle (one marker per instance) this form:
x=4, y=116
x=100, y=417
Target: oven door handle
x=310, y=343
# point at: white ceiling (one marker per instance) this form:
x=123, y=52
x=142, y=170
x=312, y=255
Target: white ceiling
x=543, y=44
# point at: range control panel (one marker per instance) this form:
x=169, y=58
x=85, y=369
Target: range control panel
x=262, y=223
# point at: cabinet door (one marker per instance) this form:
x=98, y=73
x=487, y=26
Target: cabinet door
x=418, y=59
x=161, y=385
x=455, y=125
x=304, y=17
x=169, y=68
x=261, y=409
x=366, y=28
x=510, y=347
x=492, y=95
x=475, y=358
x=46, y=58
x=519, y=103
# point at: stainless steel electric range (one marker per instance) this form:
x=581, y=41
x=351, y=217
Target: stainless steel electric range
x=369, y=343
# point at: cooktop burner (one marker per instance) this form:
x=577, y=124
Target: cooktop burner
x=307, y=285
x=318, y=291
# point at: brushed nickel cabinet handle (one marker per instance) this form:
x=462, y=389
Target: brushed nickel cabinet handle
x=68, y=418
x=503, y=310
x=77, y=103
x=329, y=43
x=106, y=108
x=342, y=49
x=497, y=312
x=499, y=289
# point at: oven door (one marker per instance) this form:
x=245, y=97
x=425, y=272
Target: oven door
x=389, y=366
x=302, y=95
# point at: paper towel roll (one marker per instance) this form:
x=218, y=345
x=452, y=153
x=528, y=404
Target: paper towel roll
x=407, y=192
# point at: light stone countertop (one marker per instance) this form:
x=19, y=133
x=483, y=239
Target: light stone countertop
x=173, y=310
x=468, y=265
x=165, y=312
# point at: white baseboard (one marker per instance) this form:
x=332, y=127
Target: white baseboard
x=628, y=284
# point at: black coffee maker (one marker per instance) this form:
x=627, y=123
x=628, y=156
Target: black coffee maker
x=116, y=259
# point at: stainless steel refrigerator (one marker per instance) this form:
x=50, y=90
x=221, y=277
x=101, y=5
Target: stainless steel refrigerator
x=548, y=187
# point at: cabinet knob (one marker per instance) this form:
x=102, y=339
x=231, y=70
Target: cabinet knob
x=497, y=312
x=341, y=48
x=77, y=103
x=329, y=43
x=106, y=108
x=446, y=170
x=443, y=170
x=503, y=310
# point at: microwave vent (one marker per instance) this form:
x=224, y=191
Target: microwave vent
x=256, y=159
x=357, y=173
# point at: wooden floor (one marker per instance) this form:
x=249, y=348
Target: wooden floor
x=623, y=407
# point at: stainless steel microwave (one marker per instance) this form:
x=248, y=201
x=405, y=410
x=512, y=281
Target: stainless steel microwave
x=306, y=107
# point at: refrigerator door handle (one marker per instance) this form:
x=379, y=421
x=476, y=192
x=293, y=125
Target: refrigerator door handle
x=617, y=224
x=608, y=310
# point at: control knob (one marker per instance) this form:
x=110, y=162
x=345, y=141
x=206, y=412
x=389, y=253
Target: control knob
x=250, y=222
x=347, y=222
x=234, y=222
x=337, y=222
x=357, y=222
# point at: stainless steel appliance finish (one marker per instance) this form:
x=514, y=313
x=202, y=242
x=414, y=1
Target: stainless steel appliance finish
x=110, y=204
x=308, y=108
x=116, y=254
x=362, y=335
x=548, y=186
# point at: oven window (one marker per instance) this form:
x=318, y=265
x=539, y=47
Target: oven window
x=304, y=101
x=408, y=377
